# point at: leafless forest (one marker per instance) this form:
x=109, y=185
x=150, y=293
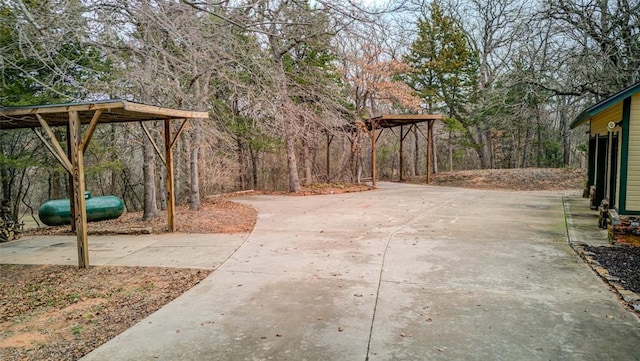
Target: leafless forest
x=280, y=78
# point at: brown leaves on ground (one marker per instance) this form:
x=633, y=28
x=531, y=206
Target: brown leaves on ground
x=62, y=312
x=522, y=179
x=214, y=216
x=325, y=188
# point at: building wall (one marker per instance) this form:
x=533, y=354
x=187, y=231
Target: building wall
x=633, y=175
x=599, y=122
x=598, y=128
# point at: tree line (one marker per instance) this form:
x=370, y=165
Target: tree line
x=287, y=83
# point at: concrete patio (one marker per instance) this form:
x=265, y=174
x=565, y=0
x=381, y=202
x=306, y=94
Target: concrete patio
x=404, y=272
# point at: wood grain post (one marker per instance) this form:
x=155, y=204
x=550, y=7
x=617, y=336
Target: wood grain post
x=71, y=186
x=77, y=163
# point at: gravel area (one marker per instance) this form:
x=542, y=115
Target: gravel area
x=622, y=261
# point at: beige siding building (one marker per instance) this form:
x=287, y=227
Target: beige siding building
x=614, y=150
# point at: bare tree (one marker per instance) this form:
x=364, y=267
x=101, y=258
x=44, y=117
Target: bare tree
x=601, y=45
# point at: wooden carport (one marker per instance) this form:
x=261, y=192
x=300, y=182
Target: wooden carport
x=390, y=121
x=383, y=122
x=73, y=116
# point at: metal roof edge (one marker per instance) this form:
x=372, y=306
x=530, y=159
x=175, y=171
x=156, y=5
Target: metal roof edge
x=605, y=104
x=580, y=119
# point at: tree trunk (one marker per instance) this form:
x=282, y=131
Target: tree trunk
x=450, y=151
x=113, y=139
x=292, y=165
x=241, y=181
x=489, y=148
x=285, y=117
x=183, y=174
x=416, y=154
x=434, y=151
x=162, y=188
x=539, y=149
x=564, y=126
x=479, y=146
x=523, y=161
x=148, y=168
x=194, y=156
x=55, y=182
x=307, y=161
x=161, y=191
x=254, y=167
x=352, y=158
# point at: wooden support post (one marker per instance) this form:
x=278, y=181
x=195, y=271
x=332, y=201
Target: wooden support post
x=401, y=151
x=171, y=198
x=77, y=162
x=429, y=148
x=373, y=153
x=72, y=197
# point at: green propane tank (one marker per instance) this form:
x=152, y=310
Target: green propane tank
x=58, y=211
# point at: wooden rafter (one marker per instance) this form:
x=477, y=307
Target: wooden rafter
x=153, y=143
x=53, y=145
x=88, y=133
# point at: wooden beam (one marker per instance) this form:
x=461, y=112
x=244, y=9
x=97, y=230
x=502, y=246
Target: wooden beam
x=106, y=105
x=171, y=198
x=88, y=133
x=77, y=161
x=379, y=134
x=153, y=142
x=180, y=130
x=408, y=130
x=168, y=113
x=63, y=161
x=63, y=108
x=62, y=157
x=425, y=117
x=72, y=196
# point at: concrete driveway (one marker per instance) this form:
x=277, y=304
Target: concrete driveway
x=405, y=272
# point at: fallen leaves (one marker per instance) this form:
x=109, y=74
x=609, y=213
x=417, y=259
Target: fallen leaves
x=214, y=216
x=68, y=312
x=519, y=179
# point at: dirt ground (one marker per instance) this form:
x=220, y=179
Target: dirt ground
x=62, y=313
x=530, y=179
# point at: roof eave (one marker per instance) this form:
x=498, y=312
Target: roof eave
x=605, y=104
x=584, y=117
